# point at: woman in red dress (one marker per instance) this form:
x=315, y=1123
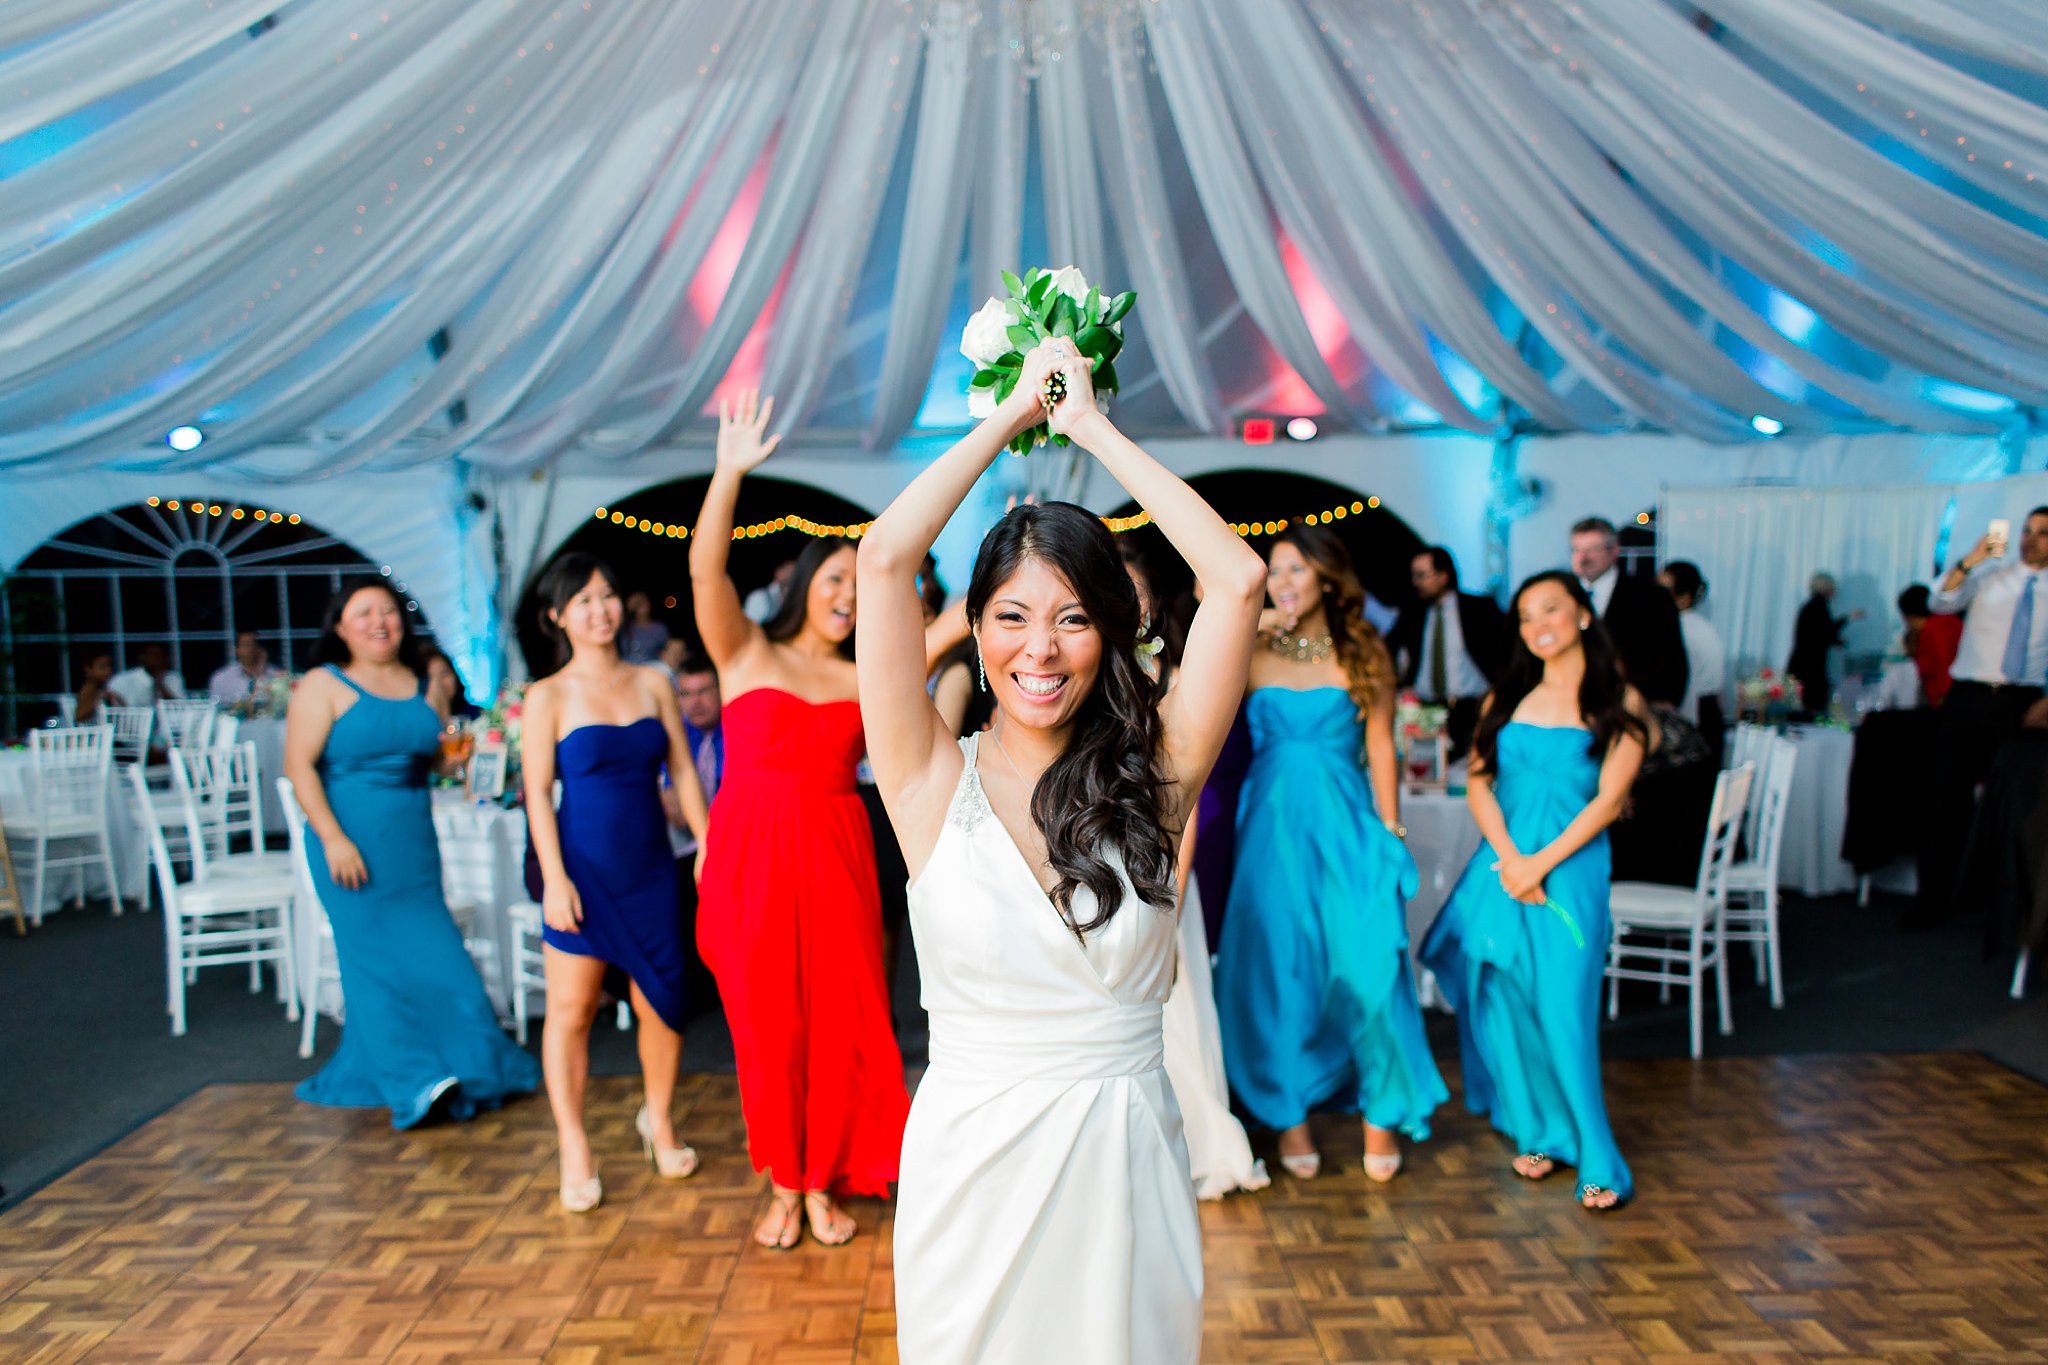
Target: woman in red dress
x=790, y=918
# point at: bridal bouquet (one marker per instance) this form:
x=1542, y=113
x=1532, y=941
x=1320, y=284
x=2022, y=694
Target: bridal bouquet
x=1042, y=305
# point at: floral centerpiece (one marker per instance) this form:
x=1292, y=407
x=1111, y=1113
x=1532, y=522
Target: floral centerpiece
x=271, y=697
x=1042, y=305
x=500, y=722
x=1419, y=734
x=1766, y=693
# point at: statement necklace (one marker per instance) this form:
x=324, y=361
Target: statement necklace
x=1303, y=649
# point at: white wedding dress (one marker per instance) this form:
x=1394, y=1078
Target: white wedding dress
x=1219, y=1154
x=1045, y=1212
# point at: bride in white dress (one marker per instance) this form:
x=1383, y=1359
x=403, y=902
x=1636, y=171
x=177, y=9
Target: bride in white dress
x=1045, y=1211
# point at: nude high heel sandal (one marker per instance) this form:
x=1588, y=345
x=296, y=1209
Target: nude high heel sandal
x=670, y=1163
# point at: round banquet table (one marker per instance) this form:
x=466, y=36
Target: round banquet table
x=1810, y=859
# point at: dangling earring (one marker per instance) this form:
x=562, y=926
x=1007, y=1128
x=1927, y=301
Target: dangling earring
x=982, y=669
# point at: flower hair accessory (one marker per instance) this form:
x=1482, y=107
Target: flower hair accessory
x=1042, y=305
x=1149, y=649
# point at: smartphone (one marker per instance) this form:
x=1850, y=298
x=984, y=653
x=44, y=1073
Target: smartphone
x=1999, y=532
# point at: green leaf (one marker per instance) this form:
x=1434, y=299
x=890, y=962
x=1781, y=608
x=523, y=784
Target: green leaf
x=1105, y=378
x=1059, y=439
x=1006, y=385
x=1065, y=320
x=1013, y=284
x=1099, y=344
x=1119, y=306
x=1024, y=335
x=1092, y=314
x=1009, y=360
x=1036, y=292
x=984, y=379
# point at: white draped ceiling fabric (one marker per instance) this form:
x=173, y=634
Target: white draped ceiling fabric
x=341, y=235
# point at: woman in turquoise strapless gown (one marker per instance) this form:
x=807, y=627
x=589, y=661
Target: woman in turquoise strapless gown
x=360, y=744
x=1520, y=947
x=1313, y=985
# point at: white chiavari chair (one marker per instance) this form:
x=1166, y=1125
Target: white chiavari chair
x=1677, y=932
x=70, y=771
x=218, y=921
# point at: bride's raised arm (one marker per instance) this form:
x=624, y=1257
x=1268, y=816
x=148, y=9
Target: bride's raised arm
x=1198, y=712
x=907, y=740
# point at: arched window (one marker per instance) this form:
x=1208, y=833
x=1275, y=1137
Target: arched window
x=187, y=574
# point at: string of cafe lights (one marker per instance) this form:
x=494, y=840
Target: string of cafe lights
x=1118, y=525
x=752, y=531
x=200, y=507
x=1327, y=516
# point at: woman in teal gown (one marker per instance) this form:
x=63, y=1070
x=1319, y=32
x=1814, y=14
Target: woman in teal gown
x=1313, y=986
x=360, y=744
x=1520, y=947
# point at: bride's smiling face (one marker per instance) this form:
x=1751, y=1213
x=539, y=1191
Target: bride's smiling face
x=1039, y=647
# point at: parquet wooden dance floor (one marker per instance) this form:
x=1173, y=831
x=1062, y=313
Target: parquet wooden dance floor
x=1838, y=1208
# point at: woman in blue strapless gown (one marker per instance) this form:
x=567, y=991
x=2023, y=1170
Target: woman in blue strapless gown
x=360, y=745
x=1313, y=985
x=601, y=865
x=1520, y=947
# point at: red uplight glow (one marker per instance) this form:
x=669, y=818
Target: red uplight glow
x=1258, y=431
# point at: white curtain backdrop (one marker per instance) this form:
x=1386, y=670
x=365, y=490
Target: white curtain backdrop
x=1619, y=217
x=1759, y=546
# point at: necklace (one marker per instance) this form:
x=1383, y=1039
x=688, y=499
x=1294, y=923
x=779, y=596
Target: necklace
x=1005, y=750
x=1303, y=649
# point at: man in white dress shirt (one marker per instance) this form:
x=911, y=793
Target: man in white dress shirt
x=2000, y=668
x=150, y=681
x=241, y=677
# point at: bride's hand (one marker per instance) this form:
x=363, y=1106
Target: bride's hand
x=1079, y=403
x=1025, y=407
x=740, y=424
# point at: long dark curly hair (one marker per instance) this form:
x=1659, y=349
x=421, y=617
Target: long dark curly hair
x=1368, y=668
x=1603, y=695
x=1106, y=788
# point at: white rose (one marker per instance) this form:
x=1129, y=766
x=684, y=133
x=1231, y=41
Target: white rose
x=1070, y=281
x=986, y=338
x=981, y=404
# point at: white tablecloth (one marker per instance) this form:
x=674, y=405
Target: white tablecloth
x=1810, y=860
x=131, y=863
x=1442, y=837
x=482, y=848
x=267, y=735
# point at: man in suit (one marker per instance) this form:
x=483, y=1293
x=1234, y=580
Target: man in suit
x=1450, y=645
x=1638, y=613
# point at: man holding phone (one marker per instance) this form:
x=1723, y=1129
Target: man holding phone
x=2000, y=667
